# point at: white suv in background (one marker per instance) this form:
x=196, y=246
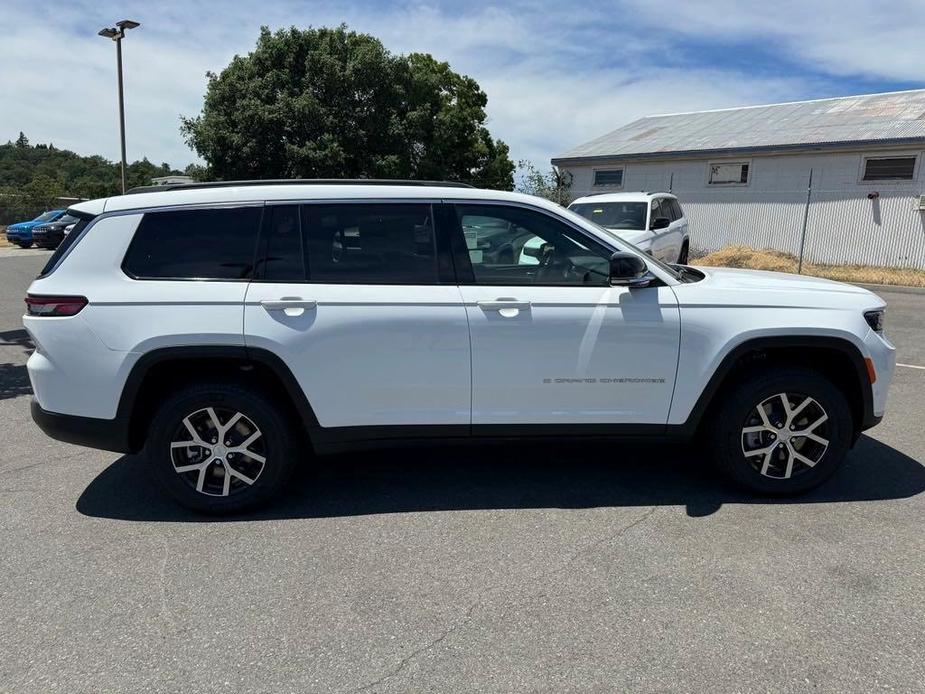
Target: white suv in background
x=226, y=330
x=653, y=222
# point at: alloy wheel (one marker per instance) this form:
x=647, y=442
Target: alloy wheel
x=785, y=435
x=218, y=451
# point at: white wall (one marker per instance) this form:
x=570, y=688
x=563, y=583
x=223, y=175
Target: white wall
x=843, y=226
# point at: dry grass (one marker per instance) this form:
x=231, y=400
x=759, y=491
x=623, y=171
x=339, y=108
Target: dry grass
x=3, y=242
x=766, y=259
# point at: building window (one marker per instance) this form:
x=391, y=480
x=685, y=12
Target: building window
x=889, y=169
x=729, y=174
x=608, y=177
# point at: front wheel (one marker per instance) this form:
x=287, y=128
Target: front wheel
x=781, y=432
x=219, y=448
x=684, y=255
x=23, y=244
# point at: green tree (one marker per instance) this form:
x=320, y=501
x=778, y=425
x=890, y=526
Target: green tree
x=333, y=103
x=554, y=184
x=22, y=141
x=43, y=190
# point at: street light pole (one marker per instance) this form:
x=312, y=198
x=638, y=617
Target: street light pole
x=117, y=33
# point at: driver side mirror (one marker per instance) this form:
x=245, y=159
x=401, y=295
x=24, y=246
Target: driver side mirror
x=660, y=223
x=628, y=270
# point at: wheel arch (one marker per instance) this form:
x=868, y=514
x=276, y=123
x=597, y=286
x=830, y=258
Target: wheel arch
x=160, y=371
x=837, y=358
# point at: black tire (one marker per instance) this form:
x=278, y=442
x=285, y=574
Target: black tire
x=684, y=255
x=738, y=410
x=24, y=245
x=278, y=444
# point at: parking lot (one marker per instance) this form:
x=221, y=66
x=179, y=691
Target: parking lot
x=591, y=568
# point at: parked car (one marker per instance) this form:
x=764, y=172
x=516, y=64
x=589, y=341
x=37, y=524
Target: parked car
x=50, y=234
x=21, y=232
x=228, y=331
x=653, y=222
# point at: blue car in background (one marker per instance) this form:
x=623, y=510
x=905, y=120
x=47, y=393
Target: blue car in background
x=21, y=232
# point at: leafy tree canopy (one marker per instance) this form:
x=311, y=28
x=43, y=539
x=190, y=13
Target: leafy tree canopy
x=333, y=103
x=33, y=176
x=554, y=184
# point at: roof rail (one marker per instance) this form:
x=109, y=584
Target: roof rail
x=298, y=181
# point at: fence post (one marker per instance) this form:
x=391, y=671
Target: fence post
x=809, y=193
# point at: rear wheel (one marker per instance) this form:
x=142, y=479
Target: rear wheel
x=782, y=432
x=219, y=448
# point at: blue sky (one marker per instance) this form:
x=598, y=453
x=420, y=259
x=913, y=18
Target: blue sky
x=556, y=73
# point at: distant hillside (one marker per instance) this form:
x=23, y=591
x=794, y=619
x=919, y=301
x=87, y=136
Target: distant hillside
x=33, y=176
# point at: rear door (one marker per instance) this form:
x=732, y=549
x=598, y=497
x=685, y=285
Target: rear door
x=359, y=300
x=552, y=342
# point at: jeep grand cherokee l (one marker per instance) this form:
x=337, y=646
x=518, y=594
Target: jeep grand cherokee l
x=228, y=331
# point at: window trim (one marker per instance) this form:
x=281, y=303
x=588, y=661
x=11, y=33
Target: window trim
x=729, y=162
x=889, y=181
x=465, y=273
x=192, y=208
x=613, y=186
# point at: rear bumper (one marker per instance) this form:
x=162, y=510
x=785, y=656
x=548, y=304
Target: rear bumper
x=105, y=434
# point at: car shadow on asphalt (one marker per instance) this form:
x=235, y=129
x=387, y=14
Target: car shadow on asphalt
x=506, y=477
x=14, y=379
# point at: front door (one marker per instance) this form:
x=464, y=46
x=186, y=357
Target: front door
x=552, y=341
x=350, y=296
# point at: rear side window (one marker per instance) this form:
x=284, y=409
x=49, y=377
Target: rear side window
x=214, y=244
x=373, y=243
x=282, y=254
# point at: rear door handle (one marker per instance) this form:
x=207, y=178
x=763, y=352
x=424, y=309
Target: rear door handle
x=501, y=304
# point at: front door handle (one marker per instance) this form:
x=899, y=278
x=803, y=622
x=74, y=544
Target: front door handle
x=501, y=304
x=291, y=305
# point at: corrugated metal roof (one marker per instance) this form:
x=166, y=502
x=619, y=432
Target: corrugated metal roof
x=893, y=116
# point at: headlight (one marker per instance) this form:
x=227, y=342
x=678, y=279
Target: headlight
x=875, y=320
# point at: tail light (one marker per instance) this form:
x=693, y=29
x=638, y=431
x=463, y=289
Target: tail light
x=54, y=306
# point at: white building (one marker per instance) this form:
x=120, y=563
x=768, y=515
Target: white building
x=743, y=174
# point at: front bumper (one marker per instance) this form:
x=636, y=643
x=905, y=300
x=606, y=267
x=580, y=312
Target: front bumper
x=105, y=434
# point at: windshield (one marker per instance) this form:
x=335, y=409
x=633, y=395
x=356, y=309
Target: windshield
x=47, y=216
x=614, y=215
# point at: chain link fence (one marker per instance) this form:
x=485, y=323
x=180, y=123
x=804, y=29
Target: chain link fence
x=883, y=227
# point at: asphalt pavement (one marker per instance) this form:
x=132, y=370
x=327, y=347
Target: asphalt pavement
x=565, y=568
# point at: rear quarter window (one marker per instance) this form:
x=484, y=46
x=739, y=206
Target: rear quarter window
x=69, y=242
x=218, y=244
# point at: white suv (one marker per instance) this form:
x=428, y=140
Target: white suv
x=653, y=222
x=227, y=330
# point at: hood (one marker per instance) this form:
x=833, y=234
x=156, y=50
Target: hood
x=634, y=236
x=760, y=288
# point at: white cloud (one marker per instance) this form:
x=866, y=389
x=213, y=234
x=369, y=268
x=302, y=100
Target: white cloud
x=555, y=75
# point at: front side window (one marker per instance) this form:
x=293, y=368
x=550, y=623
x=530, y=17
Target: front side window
x=515, y=246
x=677, y=212
x=195, y=244
x=661, y=208
x=370, y=243
x=614, y=215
